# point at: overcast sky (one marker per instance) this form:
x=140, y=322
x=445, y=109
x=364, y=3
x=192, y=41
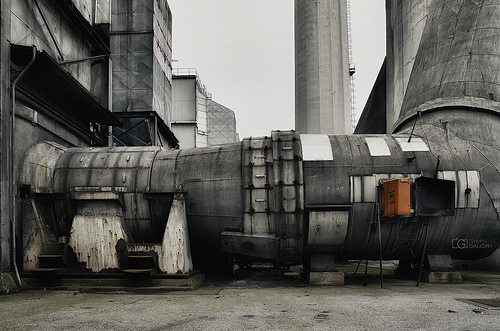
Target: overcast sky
x=243, y=51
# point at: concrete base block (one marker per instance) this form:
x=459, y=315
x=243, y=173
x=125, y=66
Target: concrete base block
x=158, y=284
x=330, y=278
x=443, y=277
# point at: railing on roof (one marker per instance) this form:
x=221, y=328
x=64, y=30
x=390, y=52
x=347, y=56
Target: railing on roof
x=192, y=72
x=184, y=72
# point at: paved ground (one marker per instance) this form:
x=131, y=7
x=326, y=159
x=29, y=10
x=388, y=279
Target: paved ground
x=262, y=300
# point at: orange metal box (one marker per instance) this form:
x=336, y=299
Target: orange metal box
x=396, y=196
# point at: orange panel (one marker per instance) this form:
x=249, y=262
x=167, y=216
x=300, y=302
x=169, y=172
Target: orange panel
x=396, y=196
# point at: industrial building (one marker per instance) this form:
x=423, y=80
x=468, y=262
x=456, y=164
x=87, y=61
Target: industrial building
x=100, y=190
x=79, y=73
x=197, y=120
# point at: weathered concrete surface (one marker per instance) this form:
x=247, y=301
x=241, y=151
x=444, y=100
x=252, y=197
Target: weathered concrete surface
x=9, y=285
x=257, y=304
x=405, y=22
x=332, y=278
x=321, y=67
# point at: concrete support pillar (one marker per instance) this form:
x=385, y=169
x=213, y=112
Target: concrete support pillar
x=323, y=271
x=97, y=228
x=5, y=118
x=441, y=270
x=177, y=249
x=322, y=103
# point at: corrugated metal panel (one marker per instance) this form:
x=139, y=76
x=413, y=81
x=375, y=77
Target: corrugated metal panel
x=102, y=11
x=184, y=99
x=288, y=195
x=185, y=133
x=141, y=43
x=257, y=180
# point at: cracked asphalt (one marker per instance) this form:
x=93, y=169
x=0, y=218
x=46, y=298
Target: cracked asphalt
x=260, y=300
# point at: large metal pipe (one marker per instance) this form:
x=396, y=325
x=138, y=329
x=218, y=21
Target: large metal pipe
x=268, y=197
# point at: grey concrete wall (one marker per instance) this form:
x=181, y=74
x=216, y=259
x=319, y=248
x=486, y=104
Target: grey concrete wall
x=321, y=67
x=29, y=28
x=189, y=109
x=22, y=23
x=405, y=21
x=456, y=60
x=5, y=107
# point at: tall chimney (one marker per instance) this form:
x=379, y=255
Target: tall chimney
x=322, y=103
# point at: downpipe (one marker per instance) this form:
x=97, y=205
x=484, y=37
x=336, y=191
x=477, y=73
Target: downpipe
x=12, y=172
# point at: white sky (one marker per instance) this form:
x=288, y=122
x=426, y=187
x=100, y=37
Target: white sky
x=243, y=51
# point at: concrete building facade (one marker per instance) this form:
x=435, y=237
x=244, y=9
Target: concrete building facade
x=47, y=57
x=141, y=55
x=64, y=65
x=189, y=109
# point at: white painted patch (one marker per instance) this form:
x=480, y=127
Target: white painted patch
x=415, y=145
x=473, y=183
x=316, y=147
x=176, y=257
x=467, y=185
x=174, y=252
x=363, y=188
x=378, y=146
x=94, y=238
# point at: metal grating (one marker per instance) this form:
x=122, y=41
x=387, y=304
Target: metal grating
x=484, y=303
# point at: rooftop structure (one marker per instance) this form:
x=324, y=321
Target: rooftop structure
x=221, y=124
